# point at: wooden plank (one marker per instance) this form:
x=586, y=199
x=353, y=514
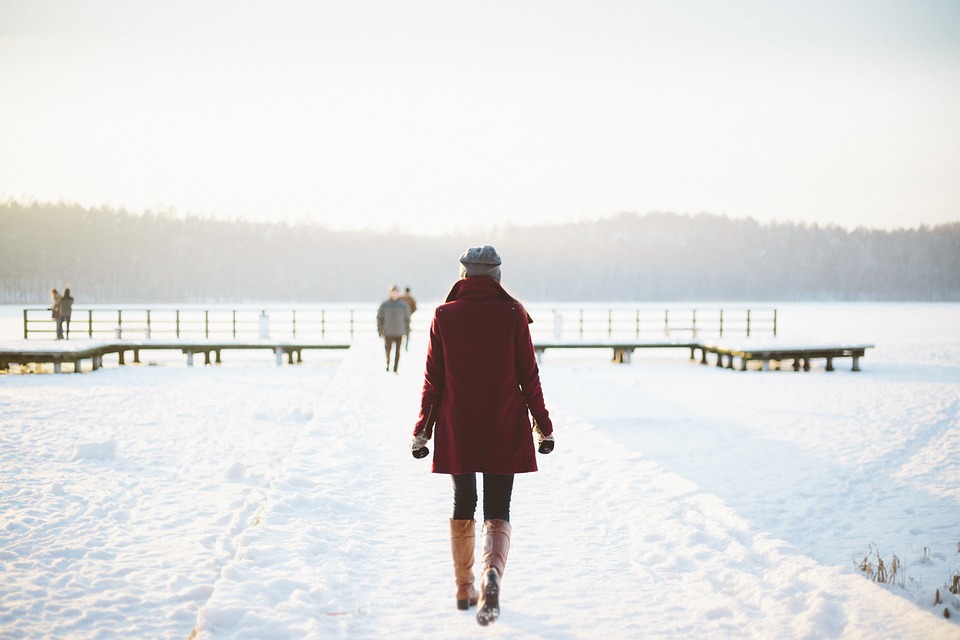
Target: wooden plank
x=56, y=354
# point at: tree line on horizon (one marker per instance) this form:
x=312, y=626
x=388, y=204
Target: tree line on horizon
x=112, y=256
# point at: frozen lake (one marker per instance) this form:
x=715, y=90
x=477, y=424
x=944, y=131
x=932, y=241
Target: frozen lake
x=250, y=500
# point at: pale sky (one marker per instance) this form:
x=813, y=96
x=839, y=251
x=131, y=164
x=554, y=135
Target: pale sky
x=431, y=116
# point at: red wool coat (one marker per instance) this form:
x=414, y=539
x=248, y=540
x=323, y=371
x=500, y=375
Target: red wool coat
x=480, y=383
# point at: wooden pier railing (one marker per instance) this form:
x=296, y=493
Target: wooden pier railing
x=581, y=323
x=622, y=323
x=341, y=324
x=177, y=324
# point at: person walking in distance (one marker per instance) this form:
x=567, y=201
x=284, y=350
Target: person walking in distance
x=66, y=308
x=481, y=385
x=412, y=303
x=393, y=322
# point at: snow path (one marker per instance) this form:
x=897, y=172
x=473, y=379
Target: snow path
x=352, y=540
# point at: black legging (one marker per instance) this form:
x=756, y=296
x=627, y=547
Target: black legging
x=497, y=490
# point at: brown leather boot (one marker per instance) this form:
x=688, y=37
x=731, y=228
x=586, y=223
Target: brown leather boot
x=496, y=544
x=463, y=536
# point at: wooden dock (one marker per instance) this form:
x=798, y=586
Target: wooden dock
x=209, y=332
x=798, y=356
x=74, y=353
x=622, y=349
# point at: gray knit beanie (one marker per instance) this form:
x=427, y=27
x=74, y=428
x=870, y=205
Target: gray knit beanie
x=480, y=261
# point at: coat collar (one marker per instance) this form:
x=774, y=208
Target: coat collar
x=481, y=289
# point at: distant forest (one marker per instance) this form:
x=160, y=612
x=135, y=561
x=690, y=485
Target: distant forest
x=112, y=256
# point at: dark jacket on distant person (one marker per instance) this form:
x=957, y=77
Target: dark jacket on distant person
x=393, y=319
x=66, y=305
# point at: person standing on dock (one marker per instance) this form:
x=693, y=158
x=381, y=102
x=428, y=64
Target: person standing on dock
x=66, y=308
x=480, y=388
x=412, y=303
x=55, y=299
x=393, y=322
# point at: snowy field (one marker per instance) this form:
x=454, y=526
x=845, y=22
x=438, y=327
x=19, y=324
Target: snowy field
x=253, y=501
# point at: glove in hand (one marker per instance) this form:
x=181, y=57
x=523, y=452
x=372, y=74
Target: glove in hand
x=418, y=445
x=545, y=444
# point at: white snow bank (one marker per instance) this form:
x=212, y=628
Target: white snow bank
x=99, y=545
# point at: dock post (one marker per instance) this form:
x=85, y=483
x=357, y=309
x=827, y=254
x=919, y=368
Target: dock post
x=856, y=363
x=264, y=325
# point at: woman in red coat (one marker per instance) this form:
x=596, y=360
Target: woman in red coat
x=480, y=388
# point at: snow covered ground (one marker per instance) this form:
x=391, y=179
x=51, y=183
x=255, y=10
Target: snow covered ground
x=254, y=501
